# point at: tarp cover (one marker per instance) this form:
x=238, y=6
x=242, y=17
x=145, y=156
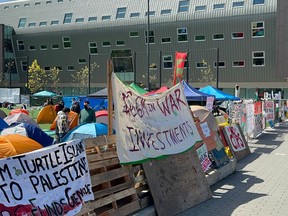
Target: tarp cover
x=3, y=124
x=219, y=95
x=193, y=94
x=10, y=95
x=18, y=118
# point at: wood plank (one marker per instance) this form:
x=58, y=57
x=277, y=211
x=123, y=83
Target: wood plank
x=113, y=189
x=102, y=156
x=100, y=141
x=109, y=175
x=99, y=164
x=112, y=198
x=126, y=209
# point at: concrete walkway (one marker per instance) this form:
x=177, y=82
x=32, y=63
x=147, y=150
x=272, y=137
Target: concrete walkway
x=260, y=184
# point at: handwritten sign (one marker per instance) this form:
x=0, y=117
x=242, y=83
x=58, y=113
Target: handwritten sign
x=51, y=181
x=150, y=127
x=235, y=138
x=209, y=103
x=205, y=129
x=203, y=157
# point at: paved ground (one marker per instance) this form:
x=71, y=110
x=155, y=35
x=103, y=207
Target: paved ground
x=260, y=184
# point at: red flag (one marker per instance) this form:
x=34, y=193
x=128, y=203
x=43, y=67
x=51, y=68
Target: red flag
x=179, y=66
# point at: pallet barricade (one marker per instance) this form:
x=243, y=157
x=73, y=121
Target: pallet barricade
x=118, y=190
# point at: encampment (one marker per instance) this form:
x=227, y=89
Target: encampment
x=73, y=119
x=14, y=111
x=46, y=115
x=219, y=95
x=18, y=118
x=88, y=130
x=30, y=131
x=14, y=144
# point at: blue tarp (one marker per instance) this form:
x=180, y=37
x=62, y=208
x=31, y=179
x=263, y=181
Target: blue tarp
x=219, y=95
x=193, y=94
x=96, y=103
x=3, y=124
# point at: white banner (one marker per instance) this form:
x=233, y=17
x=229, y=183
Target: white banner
x=10, y=95
x=151, y=126
x=51, y=181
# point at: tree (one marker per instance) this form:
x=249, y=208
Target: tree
x=81, y=78
x=37, y=77
x=54, y=78
x=207, y=75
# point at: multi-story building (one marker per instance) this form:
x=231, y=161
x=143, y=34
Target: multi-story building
x=242, y=41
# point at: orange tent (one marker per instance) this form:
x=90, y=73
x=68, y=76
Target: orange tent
x=46, y=115
x=72, y=117
x=14, y=111
x=14, y=144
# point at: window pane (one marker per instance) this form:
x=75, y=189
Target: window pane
x=166, y=12
x=166, y=40
x=92, y=19
x=134, y=15
x=218, y=36
x=22, y=22
x=121, y=13
x=238, y=4
x=183, y=6
x=218, y=6
x=200, y=8
x=257, y=2
x=237, y=35
x=134, y=34
x=200, y=38
x=67, y=18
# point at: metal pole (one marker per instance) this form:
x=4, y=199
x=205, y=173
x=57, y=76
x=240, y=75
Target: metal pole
x=89, y=72
x=148, y=45
x=27, y=74
x=160, y=69
x=217, y=69
x=135, y=80
x=10, y=73
x=187, y=68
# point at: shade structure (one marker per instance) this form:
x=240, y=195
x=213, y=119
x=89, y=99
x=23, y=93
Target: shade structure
x=219, y=95
x=30, y=131
x=14, y=144
x=103, y=93
x=138, y=89
x=18, y=118
x=45, y=94
x=193, y=94
x=85, y=131
x=158, y=91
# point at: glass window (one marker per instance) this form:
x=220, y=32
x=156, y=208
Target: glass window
x=32, y=24
x=48, y=2
x=237, y=35
x=24, y=66
x=81, y=61
x=221, y=64
x=120, y=43
x=238, y=63
x=218, y=37
x=54, y=46
x=37, y=3
x=60, y=1
x=20, y=45
x=238, y=4
x=151, y=37
x=54, y=22
x=258, y=58
x=67, y=18
x=183, y=6
x=16, y=6
x=93, y=48
x=6, y=7
x=66, y=42
x=200, y=38
x=166, y=40
x=218, y=6
x=105, y=18
x=166, y=12
x=79, y=20
x=201, y=65
x=258, y=29
x=43, y=47
x=134, y=15
x=70, y=68
x=151, y=13
x=200, y=8
x=182, y=35
x=27, y=5
x=167, y=62
x=121, y=13
x=106, y=44
x=43, y=23
x=258, y=2
x=32, y=48
x=134, y=34
x=92, y=19
x=22, y=22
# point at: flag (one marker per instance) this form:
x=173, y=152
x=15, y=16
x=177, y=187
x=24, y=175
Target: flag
x=179, y=66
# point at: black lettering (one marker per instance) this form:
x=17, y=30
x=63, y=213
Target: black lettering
x=16, y=190
x=5, y=170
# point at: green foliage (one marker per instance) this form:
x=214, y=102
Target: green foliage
x=54, y=78
x=37, y=77
x=207, y=75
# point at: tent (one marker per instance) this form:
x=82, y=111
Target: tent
x=193, y=94
x=46, y=115
x=103, y=93
x=3, y=124
x=88, y=130
x=18, y=118
x=158, y=91
x=45, y=94
x=102, y=116
x=138, y=89
x=14, y=144
x=219, y=95
x=19, y=111
x=2, y=114
x=205, y=115
x=30, y=131
x=73, y=119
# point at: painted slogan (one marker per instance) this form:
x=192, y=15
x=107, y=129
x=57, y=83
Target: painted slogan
x=51, y=181
x=151, y=126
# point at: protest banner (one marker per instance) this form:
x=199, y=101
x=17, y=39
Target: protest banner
x=151, y=127
x=51, y=181
x=202, y=153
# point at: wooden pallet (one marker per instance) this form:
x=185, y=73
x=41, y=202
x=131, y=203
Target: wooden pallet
x=113, y=185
